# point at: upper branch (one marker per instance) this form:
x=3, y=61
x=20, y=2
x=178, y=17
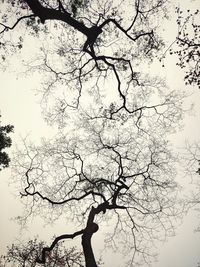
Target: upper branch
x=15, y=24
x=45, y=13
x=125, y=31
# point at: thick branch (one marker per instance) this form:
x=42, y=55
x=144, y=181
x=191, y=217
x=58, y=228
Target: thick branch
x=56, y=240
x=64, y=201
x=45, y=13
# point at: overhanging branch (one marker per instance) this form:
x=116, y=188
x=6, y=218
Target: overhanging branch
x=56, y=240
x=16, y=23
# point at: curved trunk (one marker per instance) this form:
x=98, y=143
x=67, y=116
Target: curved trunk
x=87, y=246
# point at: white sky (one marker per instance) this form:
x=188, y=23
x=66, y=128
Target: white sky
x=20, y=107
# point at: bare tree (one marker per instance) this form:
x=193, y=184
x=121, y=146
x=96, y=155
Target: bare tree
x=118, y=169
x=103, y=40
x=112, y=160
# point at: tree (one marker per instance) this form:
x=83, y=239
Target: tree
x=5, y=141
x=188, y=51
x=81, y=41
x=112, y=160
x=187, y=46
x=26, y=255
x=118, y=169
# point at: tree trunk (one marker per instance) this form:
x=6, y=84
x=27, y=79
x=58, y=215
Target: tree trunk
x=87, y=246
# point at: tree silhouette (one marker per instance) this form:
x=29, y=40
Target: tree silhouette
x=5, y=141
x=187, y=46
x=118, y=169
x=111, y=160
x=27, y=253
x=102, y=41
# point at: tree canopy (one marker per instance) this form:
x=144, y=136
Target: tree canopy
x=102, y=41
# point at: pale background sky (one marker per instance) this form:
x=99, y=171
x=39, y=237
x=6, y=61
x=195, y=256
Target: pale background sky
x=19, y=106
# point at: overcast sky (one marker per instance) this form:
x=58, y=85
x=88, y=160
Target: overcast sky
x=19, y=106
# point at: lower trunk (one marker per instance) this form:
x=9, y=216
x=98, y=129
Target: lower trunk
x=87, y=246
